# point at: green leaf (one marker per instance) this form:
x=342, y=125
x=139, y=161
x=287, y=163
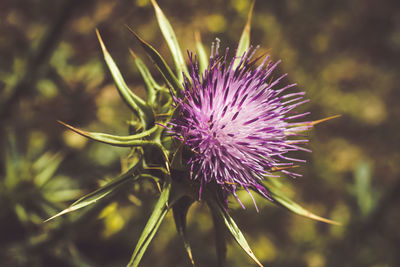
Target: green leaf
x=172, y=41
x=362, y=188
x=61, y=195
x=159, y=212
x=220, y=238
x=201, y=53
x=125, y=141
x=244, y=42
x=46, y=166
x=180, y=209
x=151, y=85
x=13, y=162
x=219, y=210
x=101, y=192
x=167, y=73
x=21, y=212
x=138, y=105
x=275, y=190
x=115, y=140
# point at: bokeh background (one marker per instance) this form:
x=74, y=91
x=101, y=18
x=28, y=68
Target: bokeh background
x=345, y=54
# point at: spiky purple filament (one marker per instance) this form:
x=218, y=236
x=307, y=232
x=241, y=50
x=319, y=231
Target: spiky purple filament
x=237, y=123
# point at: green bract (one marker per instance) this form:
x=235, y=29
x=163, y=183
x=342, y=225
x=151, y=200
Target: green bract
x=158, y=157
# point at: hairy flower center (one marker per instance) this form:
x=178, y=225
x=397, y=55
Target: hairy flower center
x=236, y=122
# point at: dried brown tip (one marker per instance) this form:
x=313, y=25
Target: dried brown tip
x=86, y=134
x=323, y=120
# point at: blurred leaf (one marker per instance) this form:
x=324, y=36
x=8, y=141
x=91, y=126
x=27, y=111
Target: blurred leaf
x=275, y=190
x=362, y=187
x=101, y=192
x=216, y=23
x=113, y=221
x=180, y=209
x=159, y=212
x=13, y=162
x=62, y=195
x=59, y=189
x=46, y=166
x=21, y=213
x=160, y=63
x=244, y=42
x=137, y=104
x=201, y=53
x=172, y=42
x=219, y=210
x=10, y=180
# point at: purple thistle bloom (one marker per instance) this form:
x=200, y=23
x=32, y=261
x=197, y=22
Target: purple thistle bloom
x=238, y=123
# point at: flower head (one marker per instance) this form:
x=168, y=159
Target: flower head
x=235, y=119
x=238, y=122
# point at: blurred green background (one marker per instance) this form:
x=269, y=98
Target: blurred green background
x=345, y=54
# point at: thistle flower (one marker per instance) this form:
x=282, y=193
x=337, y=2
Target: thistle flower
x=237, y=120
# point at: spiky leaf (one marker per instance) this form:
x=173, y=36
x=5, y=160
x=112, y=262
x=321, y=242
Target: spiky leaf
x=116, y=140
x=134, y=102
x=201, y=53
x=101, y=192
x=244, y=42
x=162, y=66
x=180, y=210
x=151, y=85
x=275, y=190
x=159, y=212
x=220, y=238
x=219, y=210
x=172, y=41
